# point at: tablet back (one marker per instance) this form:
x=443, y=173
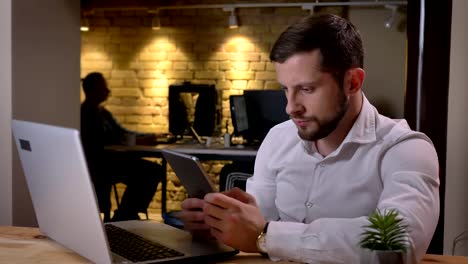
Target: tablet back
x=190, y=172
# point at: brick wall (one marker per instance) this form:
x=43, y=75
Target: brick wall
x=192, y=45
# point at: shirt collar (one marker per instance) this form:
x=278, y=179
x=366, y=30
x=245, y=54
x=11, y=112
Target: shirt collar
x=364, y=128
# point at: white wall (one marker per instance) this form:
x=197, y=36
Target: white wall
x=46, y=77
x=456, y=198
x=385, y=59
x=5, y=114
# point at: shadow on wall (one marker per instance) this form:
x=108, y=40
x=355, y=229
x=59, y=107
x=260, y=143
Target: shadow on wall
x=385, y=107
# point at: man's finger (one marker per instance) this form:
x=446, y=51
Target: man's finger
x=240, y=195
x=213, y=222
x=192, y=216
x=221, y=200
x=217, y=234
x=214, y=211
x=192, y=203
x=196, y=226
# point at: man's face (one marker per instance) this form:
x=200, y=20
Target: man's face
x=316, y=103
x=101, y=91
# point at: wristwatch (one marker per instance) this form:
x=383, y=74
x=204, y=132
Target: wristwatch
x=261, y=241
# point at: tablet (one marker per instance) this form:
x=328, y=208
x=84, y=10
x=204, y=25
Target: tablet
x=190, y=173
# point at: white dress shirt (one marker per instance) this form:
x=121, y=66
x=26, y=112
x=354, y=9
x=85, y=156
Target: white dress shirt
x=318, y=205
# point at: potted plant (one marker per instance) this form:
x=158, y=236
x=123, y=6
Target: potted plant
x=384, y=238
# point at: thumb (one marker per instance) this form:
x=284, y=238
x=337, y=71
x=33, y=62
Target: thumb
x=240, y=195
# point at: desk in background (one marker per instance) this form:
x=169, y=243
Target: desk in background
x=28, y=245
x=214, y=152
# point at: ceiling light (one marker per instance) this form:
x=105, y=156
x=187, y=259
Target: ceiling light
x=233, y=23
x=391, y=19
x=84, y=24
x=309, y=7
x=155, y=21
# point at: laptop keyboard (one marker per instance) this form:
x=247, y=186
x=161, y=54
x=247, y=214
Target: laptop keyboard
x=136, y=248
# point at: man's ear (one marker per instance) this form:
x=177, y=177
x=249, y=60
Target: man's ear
x=353, y=80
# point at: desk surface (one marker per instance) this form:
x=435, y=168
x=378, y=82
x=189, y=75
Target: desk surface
x=214, y=152
x=27, y=245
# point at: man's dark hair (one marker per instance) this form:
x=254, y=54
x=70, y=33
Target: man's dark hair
x=89, y=82
x=337, y=39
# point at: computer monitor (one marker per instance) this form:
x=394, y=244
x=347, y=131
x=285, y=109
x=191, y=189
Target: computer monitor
x=256, y=112
x=239, y=118
x=192, y=107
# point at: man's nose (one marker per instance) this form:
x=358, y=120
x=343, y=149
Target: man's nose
x=293, y=107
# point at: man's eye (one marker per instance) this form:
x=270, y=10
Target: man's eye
x=308, y=89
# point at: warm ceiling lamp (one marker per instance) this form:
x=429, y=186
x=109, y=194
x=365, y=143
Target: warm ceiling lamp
x=84, y=24
x=391, y=19
x=233, y=23
x=155, y=22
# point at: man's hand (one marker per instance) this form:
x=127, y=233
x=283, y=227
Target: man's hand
x=234, y=219
x=194, y=218
x=240, y=195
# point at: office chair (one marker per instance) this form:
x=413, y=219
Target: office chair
x=237, y=179
x=107, y=212
x=117, y=201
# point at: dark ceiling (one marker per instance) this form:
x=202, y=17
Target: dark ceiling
x=90, y=4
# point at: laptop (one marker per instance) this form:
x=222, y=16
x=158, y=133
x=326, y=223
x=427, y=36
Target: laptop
x=190, y=173
x=66, y=207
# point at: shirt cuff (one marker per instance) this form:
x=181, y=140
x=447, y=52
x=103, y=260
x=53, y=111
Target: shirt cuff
x=283, y=240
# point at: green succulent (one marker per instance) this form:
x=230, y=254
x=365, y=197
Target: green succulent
x=386, y=232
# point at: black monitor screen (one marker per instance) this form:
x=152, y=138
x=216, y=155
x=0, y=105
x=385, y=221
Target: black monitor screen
x=192, y=105
x=238, y=114
x=265, y=109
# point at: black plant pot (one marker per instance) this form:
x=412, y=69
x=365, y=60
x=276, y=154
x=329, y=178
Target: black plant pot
x=381, y=257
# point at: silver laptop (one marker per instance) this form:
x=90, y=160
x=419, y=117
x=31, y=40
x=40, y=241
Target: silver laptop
x=67, y=211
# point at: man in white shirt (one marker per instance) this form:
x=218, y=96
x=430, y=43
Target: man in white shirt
x=319, y=175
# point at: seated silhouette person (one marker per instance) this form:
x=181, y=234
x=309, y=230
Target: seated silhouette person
x=98, y=129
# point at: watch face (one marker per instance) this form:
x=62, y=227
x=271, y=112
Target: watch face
x=261, y=243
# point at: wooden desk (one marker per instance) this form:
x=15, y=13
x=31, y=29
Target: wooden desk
x=27, y=245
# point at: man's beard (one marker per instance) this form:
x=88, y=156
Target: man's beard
x=325, y=127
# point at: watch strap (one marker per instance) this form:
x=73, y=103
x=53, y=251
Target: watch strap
x=265, y=229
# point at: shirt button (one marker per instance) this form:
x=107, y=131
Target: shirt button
x=309, y=204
